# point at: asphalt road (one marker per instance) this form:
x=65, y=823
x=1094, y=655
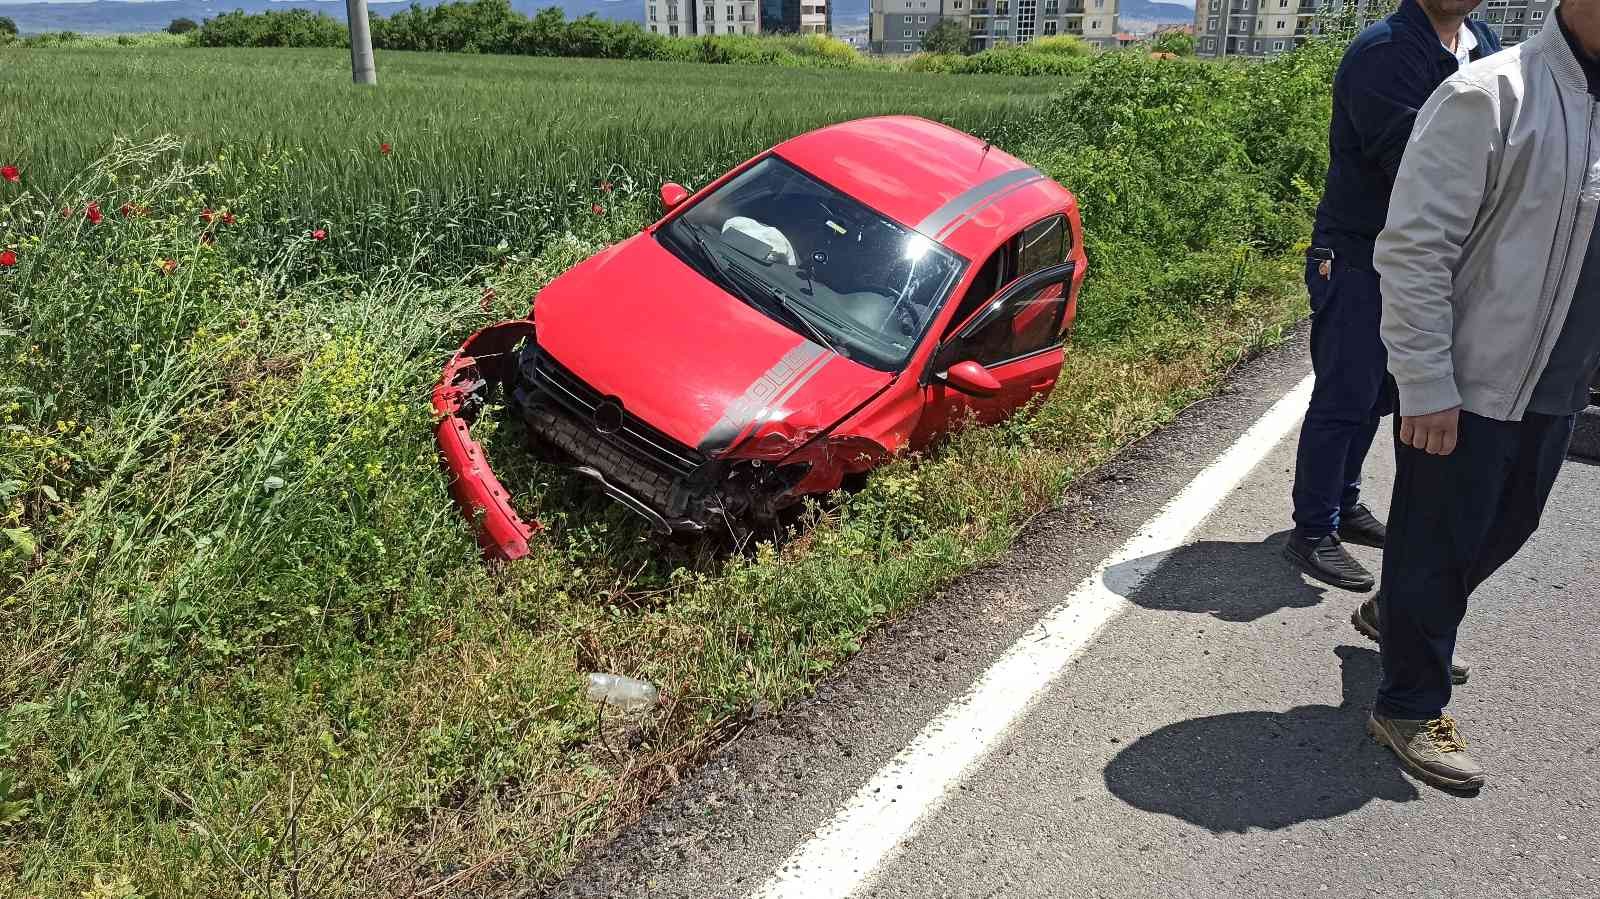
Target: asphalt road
x=1209, y=742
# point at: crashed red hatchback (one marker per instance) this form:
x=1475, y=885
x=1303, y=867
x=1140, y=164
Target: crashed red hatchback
x=845, y=296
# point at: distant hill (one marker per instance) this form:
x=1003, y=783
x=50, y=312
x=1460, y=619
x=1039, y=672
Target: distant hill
x=1161, y=13
x=122, y=16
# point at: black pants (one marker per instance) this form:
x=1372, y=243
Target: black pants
x=1352, y=392
x=1453, y=522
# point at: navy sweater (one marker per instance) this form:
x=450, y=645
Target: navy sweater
x=1386, y=75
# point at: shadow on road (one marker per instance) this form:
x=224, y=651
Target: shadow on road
x=1266, y=770
x=1230, y=581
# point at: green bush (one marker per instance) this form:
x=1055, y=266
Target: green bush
x=942, y=63
x=1021, y=61
x=274, y=28
x=181, y=26
x=949, y=36
x=1062, y=44
x=1184, y=173
x=1178, y=43
x=8, y=28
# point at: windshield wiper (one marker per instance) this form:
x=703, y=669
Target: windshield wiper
x=748, y=280
x=719, y=266
x=787, y=304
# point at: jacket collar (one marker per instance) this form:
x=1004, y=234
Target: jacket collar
x=1590, y=66
x=1553, y=45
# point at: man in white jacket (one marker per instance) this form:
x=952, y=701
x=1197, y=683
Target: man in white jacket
x=1490, y=268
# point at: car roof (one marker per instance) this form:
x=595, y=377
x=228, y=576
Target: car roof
x=944, y=183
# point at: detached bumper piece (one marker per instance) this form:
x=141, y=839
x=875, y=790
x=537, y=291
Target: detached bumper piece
x=483, y=362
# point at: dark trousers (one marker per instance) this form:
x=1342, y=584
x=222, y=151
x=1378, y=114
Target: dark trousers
x=1453, y=522
x=1353, y=391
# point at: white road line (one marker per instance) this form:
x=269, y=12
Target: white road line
x=861, y=836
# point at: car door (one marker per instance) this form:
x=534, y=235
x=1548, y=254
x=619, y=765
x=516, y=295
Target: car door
x=1015, y=336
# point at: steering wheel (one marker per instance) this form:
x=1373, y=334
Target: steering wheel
x=888, y=313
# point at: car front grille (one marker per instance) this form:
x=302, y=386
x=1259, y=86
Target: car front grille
x=636, y=438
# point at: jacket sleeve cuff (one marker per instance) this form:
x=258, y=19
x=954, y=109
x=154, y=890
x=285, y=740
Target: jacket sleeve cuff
x=1428, y=397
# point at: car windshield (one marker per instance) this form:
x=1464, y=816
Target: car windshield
x=817, y=261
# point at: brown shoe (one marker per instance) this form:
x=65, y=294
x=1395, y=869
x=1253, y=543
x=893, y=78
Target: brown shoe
x=1365, y=618
x=1432, y=750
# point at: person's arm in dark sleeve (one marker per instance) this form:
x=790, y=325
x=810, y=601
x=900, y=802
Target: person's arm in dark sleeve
x=1383, y=91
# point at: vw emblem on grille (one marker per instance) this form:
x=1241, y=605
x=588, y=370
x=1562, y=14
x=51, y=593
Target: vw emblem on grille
x=608, y=416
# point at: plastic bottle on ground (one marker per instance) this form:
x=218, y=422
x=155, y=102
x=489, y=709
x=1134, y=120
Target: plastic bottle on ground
x=625, y=693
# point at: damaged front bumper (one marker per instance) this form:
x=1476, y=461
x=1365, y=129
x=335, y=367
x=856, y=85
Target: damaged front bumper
x=673, y=487
x=484, y=361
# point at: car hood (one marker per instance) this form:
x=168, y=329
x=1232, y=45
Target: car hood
x=635, y=322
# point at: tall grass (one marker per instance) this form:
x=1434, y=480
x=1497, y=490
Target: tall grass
x=246, y=646
x=485, y=151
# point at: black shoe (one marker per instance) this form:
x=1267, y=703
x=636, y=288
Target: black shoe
x=1329, y=562
x=1361, y=527
x=1365, y=618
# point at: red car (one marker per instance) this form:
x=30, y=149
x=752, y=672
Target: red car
x=848, y=295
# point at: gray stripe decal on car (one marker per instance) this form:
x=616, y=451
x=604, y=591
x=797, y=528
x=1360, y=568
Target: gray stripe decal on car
x=775, y=385
x=967, y=200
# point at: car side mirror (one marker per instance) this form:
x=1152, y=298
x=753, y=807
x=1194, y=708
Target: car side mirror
x=972, y=379
x=673, y=194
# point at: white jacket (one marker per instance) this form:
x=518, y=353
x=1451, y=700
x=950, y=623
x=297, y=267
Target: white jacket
x=1488, y=226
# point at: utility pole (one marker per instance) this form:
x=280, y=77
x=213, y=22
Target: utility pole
x=362, y=68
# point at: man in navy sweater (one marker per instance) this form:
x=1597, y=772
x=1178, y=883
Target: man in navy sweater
x=1387, y=74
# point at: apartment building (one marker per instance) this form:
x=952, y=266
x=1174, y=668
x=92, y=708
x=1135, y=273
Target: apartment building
x=898, y=26
x=1516, y=20
x=807, y=17
x=688, y=18
x=1257, y=28
x=1260, y=28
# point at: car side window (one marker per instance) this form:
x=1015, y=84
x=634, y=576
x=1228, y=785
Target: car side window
x=1028, y=323
x=1042, y=245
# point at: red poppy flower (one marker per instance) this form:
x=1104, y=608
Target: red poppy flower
x=385, y=149
x=126, y=210
x=10, y=173
x=227, y=218
x=605, y=186
x=597, y=209
x=7, y=259
x=319, y=234
x=92, y=213
x=206, y=215
x=169, y=265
